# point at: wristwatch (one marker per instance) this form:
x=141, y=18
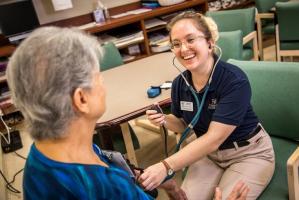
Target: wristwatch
x=169, y=170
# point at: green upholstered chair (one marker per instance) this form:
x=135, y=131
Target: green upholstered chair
x=265, y=21
x=231, y=44
x=111, y=58
x=111, y=138
x=287, y=29
x=275, y=98
x=239, y=19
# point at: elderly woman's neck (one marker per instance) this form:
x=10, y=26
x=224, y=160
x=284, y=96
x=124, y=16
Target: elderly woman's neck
x=75, y=147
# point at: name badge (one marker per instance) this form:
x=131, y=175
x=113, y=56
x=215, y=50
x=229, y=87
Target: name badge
x=187, y=106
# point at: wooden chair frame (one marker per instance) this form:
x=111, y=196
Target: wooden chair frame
x=293, y=175
x=281, y=53
x=259, y=18
x=252, y=36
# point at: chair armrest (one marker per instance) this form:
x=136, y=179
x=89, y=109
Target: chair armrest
x=252, y=36
x=265, y=15
x=293, y=176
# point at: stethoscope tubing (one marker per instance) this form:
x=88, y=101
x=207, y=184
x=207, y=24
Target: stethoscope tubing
x=199, y=105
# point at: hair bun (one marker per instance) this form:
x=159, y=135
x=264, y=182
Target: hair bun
x=213, y=28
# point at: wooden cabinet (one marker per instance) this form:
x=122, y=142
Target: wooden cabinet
x=136, y=22
x=133, y=22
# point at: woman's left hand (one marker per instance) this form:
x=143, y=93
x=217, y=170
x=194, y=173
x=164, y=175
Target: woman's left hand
x=153, y=176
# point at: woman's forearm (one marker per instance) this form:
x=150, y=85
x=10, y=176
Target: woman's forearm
x=192, y=152
x=174, y=124
x=202, y=146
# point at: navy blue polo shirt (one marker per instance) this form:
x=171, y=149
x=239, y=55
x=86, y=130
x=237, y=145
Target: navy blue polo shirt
x=227, y=101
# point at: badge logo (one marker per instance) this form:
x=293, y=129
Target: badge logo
x=212, y=104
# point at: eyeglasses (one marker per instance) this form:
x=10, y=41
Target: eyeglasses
x=189, y=41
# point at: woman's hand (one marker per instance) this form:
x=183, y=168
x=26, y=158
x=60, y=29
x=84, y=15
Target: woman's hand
x=153, y=176
x=173, y=191
x=155, y=118
x=239, y=192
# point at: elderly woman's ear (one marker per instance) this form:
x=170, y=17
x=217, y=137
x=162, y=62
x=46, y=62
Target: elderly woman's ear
x=80, y=100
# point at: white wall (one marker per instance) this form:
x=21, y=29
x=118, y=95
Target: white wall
x=46, y=13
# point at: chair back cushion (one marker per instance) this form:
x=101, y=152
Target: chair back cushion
x=231, y=44
x=111, y=57
x=275, y=95
x=232, y=20
x=287, y=16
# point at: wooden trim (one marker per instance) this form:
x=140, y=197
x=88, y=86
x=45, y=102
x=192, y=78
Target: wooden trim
x=260, y=36
x=124, y=8
x=146, y=40
x=255, y=47
x=289, y=52
x=6, y=51
x=277, y=43
x=265, y=15
x=247, y=38
x=292, y=172
x=128, y=143
x=259, y=18
x=252, y=36
x=132, y=115
x=113, y=23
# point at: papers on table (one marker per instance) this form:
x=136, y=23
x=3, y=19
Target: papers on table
x=151, y=23
x=123, y=40
x=159, y=42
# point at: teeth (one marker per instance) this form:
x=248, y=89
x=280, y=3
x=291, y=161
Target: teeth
x=189, y=56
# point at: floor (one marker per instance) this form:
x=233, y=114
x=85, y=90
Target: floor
x=151, y=151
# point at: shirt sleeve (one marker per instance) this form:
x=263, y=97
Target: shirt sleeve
x=175, y=99
x=233, y=103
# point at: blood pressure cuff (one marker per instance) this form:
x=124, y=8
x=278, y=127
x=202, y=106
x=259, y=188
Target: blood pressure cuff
x=119, y=160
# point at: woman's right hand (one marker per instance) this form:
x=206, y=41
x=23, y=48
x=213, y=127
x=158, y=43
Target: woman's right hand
x=155, y=117
x=239, y=192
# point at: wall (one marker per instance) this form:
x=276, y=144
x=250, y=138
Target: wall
x=46, y=13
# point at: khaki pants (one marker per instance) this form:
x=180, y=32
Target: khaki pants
x=254, y=164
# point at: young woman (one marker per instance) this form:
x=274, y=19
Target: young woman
x=231, y=144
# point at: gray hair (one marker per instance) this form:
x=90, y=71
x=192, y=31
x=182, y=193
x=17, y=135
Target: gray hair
x=43, y=74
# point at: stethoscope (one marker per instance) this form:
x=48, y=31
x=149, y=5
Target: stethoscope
x=199, y=105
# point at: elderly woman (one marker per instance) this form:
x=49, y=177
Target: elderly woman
x=55, y=81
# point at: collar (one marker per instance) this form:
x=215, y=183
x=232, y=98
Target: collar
x=213, y=84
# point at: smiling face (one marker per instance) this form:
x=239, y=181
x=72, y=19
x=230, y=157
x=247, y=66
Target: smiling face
x=189, y=44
